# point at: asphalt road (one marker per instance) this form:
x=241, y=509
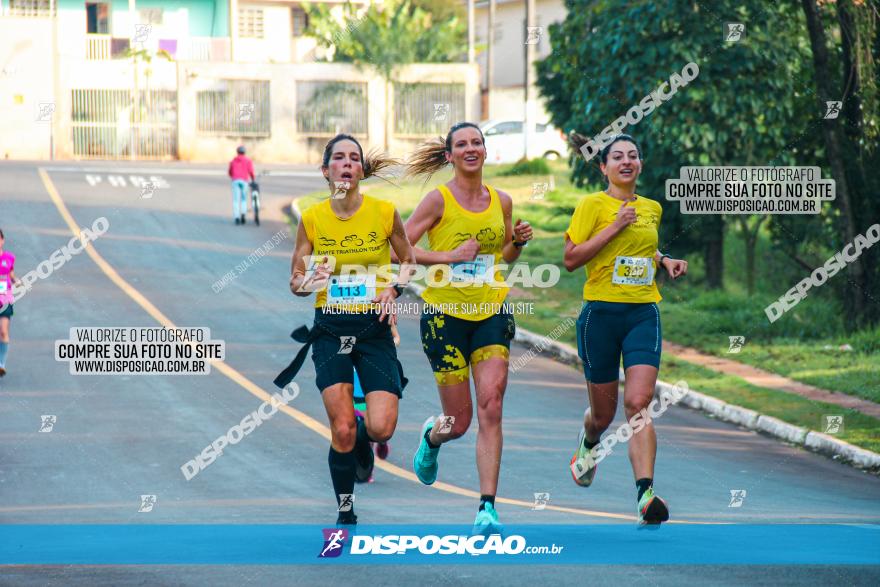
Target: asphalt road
x=116, y=438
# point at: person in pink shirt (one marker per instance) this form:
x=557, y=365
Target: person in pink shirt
x=241, y=171
x=7, y=279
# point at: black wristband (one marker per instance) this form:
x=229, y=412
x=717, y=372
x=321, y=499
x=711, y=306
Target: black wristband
x=520, y=245
x=398, y=288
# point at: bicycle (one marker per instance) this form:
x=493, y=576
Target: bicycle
x=255, y=198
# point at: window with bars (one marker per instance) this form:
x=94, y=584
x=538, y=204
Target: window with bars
x=250, y=23
x=299, y=21
x=326, y=108
x=235, y=108
x=30, y=8
x=151, y=16
x=423, y=109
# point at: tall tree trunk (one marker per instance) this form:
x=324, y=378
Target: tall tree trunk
x=750, y=241
x=713, y=254
x=388, y=113
x=852, y=44
x=832, y=135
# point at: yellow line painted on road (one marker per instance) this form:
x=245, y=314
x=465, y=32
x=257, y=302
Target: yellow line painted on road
x=255, y=390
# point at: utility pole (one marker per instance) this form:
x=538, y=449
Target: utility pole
x=471, y=20
x=56, y=79
x=490, y=58
x=233, y=29
x=528, y=102
x=134, y=134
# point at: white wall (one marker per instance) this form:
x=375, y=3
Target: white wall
x=286, y=144
x=509, y=48
x=25, y=82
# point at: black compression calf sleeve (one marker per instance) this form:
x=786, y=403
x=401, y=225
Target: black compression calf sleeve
x=342, y=472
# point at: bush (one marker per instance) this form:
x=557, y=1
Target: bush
x=527, y=167
x=866, y=341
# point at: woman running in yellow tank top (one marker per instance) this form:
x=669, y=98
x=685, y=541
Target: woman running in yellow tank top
x=465, y=328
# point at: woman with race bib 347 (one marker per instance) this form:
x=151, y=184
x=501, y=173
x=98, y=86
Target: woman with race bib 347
x=353, y=311
x=465, y=327
x=614, y=235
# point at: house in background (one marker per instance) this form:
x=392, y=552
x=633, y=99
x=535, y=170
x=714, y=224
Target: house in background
x=192, y=79
x=504, y=100
x=273, y=31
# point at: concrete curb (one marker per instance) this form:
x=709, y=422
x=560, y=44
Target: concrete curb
x=751, y=420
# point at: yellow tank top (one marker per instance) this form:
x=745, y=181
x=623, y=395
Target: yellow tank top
x=361, y=240
x=468, y=301
x=624, y=270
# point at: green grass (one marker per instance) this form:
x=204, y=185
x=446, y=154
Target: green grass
x=859, y=429
x=794, y=346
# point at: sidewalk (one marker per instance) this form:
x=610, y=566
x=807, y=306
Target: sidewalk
x=769, y=380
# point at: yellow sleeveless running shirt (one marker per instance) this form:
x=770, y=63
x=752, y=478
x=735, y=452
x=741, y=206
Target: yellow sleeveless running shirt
x=624, y=269
x=470, y=294
x=360, y=240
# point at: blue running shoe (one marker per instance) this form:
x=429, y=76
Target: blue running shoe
x=425, y=459
x=487, y=521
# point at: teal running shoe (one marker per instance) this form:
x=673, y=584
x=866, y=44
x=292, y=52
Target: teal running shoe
x=487, y=520
x=425, y=459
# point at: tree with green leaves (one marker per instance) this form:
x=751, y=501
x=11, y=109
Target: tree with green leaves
x=388, y=35
x=747, y=105
x=846, y=68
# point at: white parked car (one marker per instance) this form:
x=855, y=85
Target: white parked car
x=504, y=141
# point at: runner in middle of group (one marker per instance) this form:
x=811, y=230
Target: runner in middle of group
x=470, y=229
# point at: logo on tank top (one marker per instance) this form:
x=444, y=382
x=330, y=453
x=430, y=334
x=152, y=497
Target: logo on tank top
x=351, y=240
x=486, y=235
x=460, y=237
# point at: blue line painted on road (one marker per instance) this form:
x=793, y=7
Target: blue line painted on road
x=615, y=544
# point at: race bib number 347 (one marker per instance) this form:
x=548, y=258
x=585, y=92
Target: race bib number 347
x=633, y=271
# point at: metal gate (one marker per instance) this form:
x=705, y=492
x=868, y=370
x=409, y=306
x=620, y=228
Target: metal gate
x=123, y=124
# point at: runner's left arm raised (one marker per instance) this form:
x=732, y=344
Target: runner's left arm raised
x=520, y=233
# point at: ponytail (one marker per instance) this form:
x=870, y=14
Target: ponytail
x=376, y=162
x=430, y=157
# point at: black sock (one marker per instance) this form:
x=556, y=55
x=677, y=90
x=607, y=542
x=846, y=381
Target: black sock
x=643, y=485
x=486, y=499
x=589, y=445
x=342, y=472
x=428, y=439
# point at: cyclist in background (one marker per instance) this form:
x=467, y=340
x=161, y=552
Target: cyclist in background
x=241, y=171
